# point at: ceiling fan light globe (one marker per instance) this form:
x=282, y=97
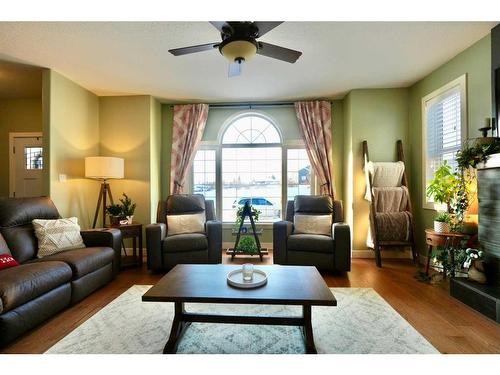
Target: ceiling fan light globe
x=239, y=50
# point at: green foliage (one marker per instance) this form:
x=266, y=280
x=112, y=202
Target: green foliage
x=443, y=217
x=114, y=210
x=442, y=256
x=239, y=212
x=247, y=244
x=471, y=156
x=443, y=186
x=128, y=208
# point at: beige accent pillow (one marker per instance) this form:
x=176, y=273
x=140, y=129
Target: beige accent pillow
x=313, y=224
x=186, y=223
x=58, y=235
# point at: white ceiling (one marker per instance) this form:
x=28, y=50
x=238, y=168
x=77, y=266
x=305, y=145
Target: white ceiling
x=111, y=58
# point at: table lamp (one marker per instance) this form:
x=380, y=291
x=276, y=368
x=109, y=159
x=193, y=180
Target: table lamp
x=103, y=168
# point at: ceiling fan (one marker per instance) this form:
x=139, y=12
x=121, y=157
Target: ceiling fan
x=239, y=44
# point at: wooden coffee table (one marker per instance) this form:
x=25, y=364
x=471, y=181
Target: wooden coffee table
x=286, y=285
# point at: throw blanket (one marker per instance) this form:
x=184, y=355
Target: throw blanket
x=391, y=226
x=384, y=174
x=390, y=199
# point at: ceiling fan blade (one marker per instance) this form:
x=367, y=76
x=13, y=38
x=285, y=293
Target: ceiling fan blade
x=266, y=26
x=234, y=69
x=221, y=25
x=277, y=52
x=193, y=49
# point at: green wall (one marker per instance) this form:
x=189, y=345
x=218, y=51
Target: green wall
x=126, y=127
x=379, y=116
x=475, y=62
x=71, y=132
x=16, y=115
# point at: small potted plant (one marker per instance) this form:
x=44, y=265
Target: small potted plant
x=115, y=213
x=442, y=222
x=247, y=245
x=128, y=208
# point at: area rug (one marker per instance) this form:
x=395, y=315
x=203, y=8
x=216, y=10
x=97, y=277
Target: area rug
x=361, y=323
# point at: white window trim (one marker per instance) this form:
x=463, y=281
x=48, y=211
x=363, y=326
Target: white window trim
x=462, y=83
x=217, y=146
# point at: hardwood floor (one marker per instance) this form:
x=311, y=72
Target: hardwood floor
x=449, y=325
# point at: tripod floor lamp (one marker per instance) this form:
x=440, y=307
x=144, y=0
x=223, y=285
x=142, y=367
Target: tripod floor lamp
x=103, y=168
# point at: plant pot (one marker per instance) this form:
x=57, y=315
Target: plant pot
x=114, y=220
x=441, y=227
x=130, y=219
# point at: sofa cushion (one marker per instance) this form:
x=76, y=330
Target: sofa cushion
x=185, y=242
x=4, y=249
x=310, y=242
x=57, y=235
x=82, y=261
x=26, y=282
x=22, y=242
x=16, y=215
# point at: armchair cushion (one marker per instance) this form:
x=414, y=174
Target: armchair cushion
x=186, y=223
x=185, y=242
x=313, y=224
x=310, y=242
x=83, y=261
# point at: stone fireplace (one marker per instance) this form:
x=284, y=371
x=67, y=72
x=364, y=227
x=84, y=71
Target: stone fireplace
x=485, y=298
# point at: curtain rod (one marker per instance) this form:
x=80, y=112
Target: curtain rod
x=250, y=105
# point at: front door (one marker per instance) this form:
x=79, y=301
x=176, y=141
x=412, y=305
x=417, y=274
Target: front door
x=28, y=167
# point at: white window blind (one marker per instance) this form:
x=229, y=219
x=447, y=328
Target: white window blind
x=444, y=130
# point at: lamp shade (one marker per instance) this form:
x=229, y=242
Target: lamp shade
x=103, y=167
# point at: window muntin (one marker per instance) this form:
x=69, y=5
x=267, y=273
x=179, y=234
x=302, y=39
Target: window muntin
x=251, y=174
x=204, y=176
x=235, y=161
x=444, y=129
x=33, y=157
x=251, y=130
x=298, y=173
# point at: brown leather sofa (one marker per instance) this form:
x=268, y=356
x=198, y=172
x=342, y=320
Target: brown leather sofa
x=39, y=288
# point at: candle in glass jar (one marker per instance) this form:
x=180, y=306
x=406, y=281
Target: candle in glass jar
x=247, y=272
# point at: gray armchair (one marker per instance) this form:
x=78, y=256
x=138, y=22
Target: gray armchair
x=164, y=251
x=327, y=253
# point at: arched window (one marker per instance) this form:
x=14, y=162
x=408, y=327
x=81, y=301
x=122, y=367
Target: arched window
x=251, y=167
x=252, y=162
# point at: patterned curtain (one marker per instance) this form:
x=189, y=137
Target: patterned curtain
x=189, y=123
x=315, y=120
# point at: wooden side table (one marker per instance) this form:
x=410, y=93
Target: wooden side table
x=133, y=231
x=434, y=239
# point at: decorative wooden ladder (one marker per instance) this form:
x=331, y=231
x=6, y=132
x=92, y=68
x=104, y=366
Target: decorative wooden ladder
x=247, y=211
x=377, y=244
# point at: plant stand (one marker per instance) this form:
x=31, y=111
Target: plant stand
x=247, y=211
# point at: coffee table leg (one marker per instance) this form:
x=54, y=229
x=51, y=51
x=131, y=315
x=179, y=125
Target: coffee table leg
x=308, y=331
x=177, y=330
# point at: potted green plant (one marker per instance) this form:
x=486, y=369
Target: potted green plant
x=247, y=245
x=442, y=188
x=115, y=213
x=450, y=188
x=442, y=222
x=473, y=154
x=239, y=211
x=128, y=207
